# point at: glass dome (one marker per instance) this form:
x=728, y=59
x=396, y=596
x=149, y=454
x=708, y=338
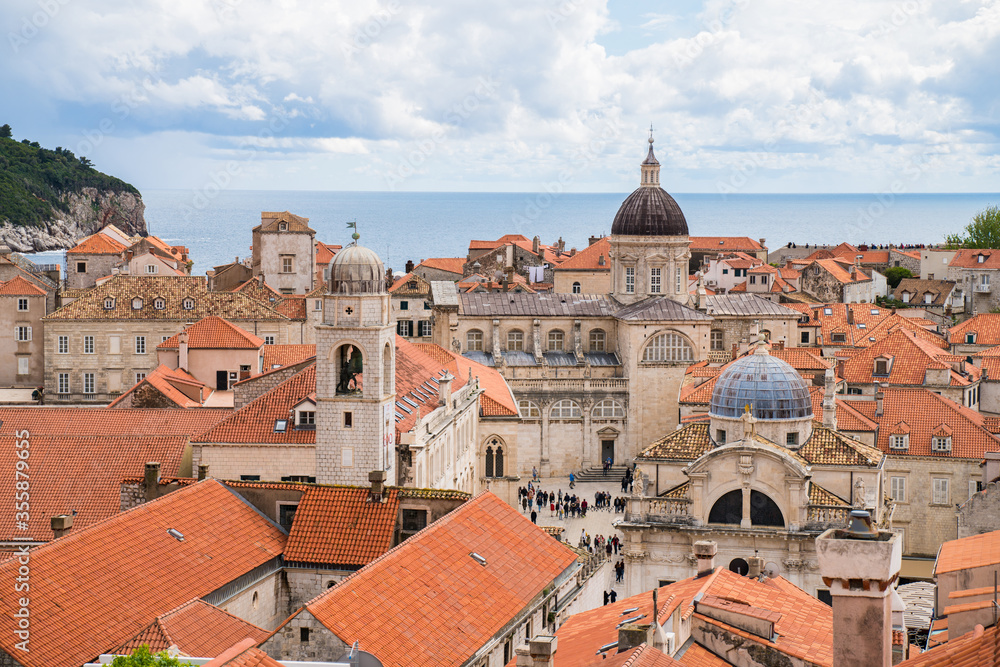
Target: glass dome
x=771, y=386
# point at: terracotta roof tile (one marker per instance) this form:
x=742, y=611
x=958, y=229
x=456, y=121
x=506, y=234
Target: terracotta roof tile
x=848, y=418
x=986, y=326
x=699, y=656
x=968, y=552
x=90, y=608
x=969, y=259
x=828, y=447
x=97, y=244
x=214, y=333
x=196, y=628
x=685, y=444
x=978, y=648
x=433, y=571
x=922, y=411
x=589, y=258
x=276, y=356
x=326, y=252
x=122, y=289
x=169, y=383
x=724, y=244
x=18, y=286
x=820, y=496
x=338, y=525
x=449, y=264
x=245, y=657
x=86, y=422
x=910, y=355
x=269, y=222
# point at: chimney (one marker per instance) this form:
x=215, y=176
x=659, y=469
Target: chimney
x=377, y=478
x=444, y=391
x=592, y=240
x=860, y=564
x=535, y=242
x=182, y=347
x=763, y=242
x=879, y=398
x=151, y=481
x=857, y=260
x=850, y=311
x=523, y=657
x=572, y=252
x=756, y=564
x=542, y=650
x=561, y=244
x=829, y=400
x=631, y=635
x=510, y=256
x=409, y=266
x=704, y=551
x=202, y=471
x=61, y=525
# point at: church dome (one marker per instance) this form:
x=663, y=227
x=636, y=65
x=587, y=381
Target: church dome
x=771, y=386
x=357, y=270
x=650, y=211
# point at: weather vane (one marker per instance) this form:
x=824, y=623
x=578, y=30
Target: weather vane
x=354, y=225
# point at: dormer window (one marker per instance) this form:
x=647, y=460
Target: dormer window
x=981, y=258
x=109, y=304
x=187, y=304
x=899, y=441
x=411, y=284
x=906, y=297
x=828, y=311
x=970, y=338
x=882, y=366
x=928, y=297
x=838, y=338
x=941, y=443
x=136, y=303
x=282, y=226
x=159, y=303
x=305, y=419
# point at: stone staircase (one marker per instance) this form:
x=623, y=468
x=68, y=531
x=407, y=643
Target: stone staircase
x=596, y=474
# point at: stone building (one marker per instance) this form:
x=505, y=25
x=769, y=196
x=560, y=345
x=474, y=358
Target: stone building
x=941, y=298
x=215, y=352
x=22, y=307
x=105, y=341
x=587, y=272
x=439, y=268
x=704, y=248
x=761, y=478
x=91, y=259
x=839, y=281
x=411, y=307
x=283, y=252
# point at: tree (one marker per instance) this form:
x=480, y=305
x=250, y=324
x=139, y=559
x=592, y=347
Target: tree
x=141, y=657
x=895, y=274
x=982, y=232
x=5, y=131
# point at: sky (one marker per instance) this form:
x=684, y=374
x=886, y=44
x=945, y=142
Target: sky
x=743, y=96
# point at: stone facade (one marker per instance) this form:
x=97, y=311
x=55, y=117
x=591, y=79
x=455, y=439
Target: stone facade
x=94, y=267
x=441, y=448
x=582, y=282
x=901, y=259
x=248, y=390
x=980, y=513
x=303, y=638
x=270, y=462
x=411, y=308
x=924, y=523
x=283, y=252
x=492, y=262
x=643, y=266
x=264, y=603
x=22, y=345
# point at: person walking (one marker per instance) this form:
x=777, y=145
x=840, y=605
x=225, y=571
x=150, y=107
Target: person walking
x=534, y=517
x=614, y=596
x=534, y=473
x=615, y=542
x=607, y=548
x=552, y=509
x=572, y=481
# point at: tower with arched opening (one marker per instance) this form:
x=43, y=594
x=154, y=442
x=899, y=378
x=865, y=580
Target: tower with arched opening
x=355, y=372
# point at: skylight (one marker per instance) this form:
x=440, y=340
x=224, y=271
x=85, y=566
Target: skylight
x=176, y=534
x=280, y=425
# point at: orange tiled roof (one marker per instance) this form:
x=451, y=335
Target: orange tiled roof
x=87, y=422
x=449, y=264
x=326, y=252
x=969, y=259
x=423, y=287
x=97, y=244
x=431, y=578
x=122, y=289
x=848, y=418
x=80, y=473
x=338, y=526
x=699, y=656
x=167, y=381
x=276, y=356
x=196, y=628
x=685, y=444
x=977, y=648
x=589, y=258
x=828, y=447
x=986, y=326
x=968, y=552
x=90, y=608
x=269, y=222
x=497, y=400
x=214, y=333
x=18, y=286
x=244, y=654
x=923, y=411
x=840, y=272
x=724, y=244
x=911, y=357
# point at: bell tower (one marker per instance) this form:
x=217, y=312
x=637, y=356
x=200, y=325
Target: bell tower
x=355, y=372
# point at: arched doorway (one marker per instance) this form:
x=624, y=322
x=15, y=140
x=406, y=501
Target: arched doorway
x=763, y=510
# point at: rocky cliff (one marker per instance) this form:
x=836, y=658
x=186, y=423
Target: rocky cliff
x=87, y=211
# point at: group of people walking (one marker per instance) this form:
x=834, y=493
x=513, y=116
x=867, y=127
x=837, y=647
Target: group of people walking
x=561, y=506
x=600, y=544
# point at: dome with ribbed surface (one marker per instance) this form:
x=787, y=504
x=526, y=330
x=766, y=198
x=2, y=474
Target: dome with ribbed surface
x=772, y=387
x=649, y=211
x=357, y=270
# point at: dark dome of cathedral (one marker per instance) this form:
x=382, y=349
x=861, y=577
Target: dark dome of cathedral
x=773, y=388
x=649, y=211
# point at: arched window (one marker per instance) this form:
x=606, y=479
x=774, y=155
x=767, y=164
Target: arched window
x=556, y=340
x=576, y=288
x=489, y=461
x=387, y=376
x=515, y=340
x=494, y=458
x=597, y=340
x=348, y=366
x=608, y=409
x=565, y=409
x=498, y=467
x=763, y=510
x=528, y=409
x=474, y=340
x=668, y=347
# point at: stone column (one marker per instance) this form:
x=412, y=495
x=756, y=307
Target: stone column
x=544, y=468
x=587, y=458
x=745, y=521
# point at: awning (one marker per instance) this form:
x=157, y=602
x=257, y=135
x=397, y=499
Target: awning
x=917, y=568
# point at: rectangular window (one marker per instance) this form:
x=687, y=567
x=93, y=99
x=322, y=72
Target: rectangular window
x=307, y=419
x=679, y=286
x=597, y=340
x=22, y=304
x=753, y=280
x=556, y=341
x=88, y=383
x=897, y=489
x=62, y=345
x=515, y=341
x=249, y=478
x=114, y=344
x=973, y=487
x=22, y=334
x=654, y=280
x=792, y=439
x=88, y=344
x=151, y=268
x=630, y=280
x=404, y=305
x=940, y=491
x=804, y=337
x=474, y=341
x=287, y=263
x=348, y=420
x=139, y=377
x=424, y=328
x=268, y=340
x=140, y=345
x=720, y=436
x=414, y=520
x=81, y=267
x=715, y=340
x=64, y=383
x=404, y=328
x=318, y=305
x=22, y=365
x=898, y=441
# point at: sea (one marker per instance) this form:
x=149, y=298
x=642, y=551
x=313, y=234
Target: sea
x=403, y=226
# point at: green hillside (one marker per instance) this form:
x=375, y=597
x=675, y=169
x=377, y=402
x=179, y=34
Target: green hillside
x=33, y=180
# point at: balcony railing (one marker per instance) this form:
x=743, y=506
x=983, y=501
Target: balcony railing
x=980, y=288
x=568, y=384
x=720, y=357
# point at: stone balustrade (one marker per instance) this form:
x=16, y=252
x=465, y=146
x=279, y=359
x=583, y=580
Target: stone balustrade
x=568, y=384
